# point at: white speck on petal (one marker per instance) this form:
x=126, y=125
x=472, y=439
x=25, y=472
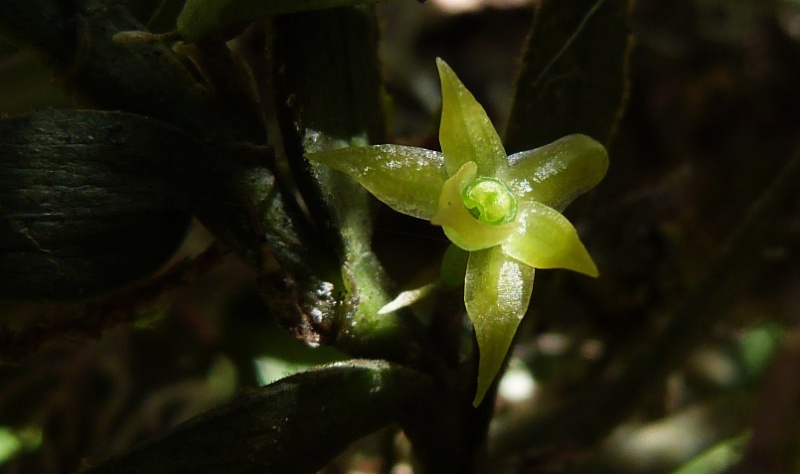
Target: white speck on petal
x=551, y=167
x=510, y=282
x=521, y=186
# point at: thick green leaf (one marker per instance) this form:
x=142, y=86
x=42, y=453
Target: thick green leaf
x=574, y=73
x=90, y=200
x=95, y=200
x=466, y=133
x=546, y=239
x=296, y=425
x=557, y=173
x=151, y=80
x=200, y=18
x=148, y=79
x=497, y=291
x=407, y=179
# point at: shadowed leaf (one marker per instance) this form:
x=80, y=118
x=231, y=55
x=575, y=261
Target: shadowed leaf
x=296, y=425
x=92, y=200
x=573, y=76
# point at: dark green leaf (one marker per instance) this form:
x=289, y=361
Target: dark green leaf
x=296, y=425
x=151, y=80
x=90, y=201
x=573, y=76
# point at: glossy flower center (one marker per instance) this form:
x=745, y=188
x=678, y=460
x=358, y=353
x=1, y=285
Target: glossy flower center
x=490, y=201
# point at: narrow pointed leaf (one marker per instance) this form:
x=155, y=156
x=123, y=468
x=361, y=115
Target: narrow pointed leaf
x=461, y=227
x=407, y=179
x=546, y=239
x=466, y=133
x=557, y=173
x=295, y=425
x=497, y=292
x=574, y=73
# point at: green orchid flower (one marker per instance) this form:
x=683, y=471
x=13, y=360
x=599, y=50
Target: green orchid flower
x=504, y=210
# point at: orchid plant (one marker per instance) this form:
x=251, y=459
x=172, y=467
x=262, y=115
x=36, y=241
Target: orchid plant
x=504, y=210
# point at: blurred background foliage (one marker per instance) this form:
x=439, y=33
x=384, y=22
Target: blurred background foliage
x=711, y=119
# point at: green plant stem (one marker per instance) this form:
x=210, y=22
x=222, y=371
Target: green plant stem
x=586, y=419
x=328, y=95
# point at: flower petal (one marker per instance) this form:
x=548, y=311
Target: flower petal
x=460, y=226
x=466, y=133
x=546, y=239
x=497, y=291
x=407, y=179
x=557, y=173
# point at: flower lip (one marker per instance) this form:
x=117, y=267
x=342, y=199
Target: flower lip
x=490, y=201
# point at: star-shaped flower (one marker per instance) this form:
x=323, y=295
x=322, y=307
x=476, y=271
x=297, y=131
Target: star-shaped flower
x=504, y=210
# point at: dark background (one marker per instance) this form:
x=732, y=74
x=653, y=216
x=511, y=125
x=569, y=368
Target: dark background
x=713, y=116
